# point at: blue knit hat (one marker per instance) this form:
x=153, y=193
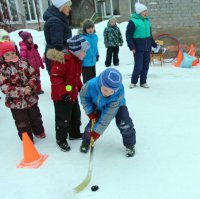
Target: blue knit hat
x=77, y=44
x=111, y=78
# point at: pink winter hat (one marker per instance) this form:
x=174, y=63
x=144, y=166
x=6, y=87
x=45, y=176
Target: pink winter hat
x=6, y=46
x=24, y=35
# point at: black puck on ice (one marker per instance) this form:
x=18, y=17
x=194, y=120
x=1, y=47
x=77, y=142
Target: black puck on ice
x=94, y=188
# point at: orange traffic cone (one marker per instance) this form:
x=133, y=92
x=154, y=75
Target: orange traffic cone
x=32, y=158
x=192, y=50
x=179, y=58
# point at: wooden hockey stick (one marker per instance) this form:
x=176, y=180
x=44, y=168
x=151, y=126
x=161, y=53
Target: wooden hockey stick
x=87, y=179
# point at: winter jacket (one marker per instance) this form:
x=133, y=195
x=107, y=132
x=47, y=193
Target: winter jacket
x=93, y=100
x=56, y=31
x=92, y=53
x=29, y=52
x=66, y=70
x=138, y=34
x=56, y=28
x=112, y=36
x=14, y=77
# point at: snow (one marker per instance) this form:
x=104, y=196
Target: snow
x=167, y=160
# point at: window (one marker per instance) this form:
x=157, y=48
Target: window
x=132, y=3
x=108, y=7
x=8, y=11
x=32, y=9
x=13, y=10
x=115, y=7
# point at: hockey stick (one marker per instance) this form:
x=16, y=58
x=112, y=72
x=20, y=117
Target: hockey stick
x=87, y=179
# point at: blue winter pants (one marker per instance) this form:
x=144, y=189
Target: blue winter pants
x=141, y=67
x=124, y=124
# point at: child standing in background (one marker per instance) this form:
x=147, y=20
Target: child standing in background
x=18, y=83
x=4, y=35
x=112, y=40
x=92, y=55
x=29, y=52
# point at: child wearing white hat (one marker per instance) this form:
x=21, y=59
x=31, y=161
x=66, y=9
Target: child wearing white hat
x=4, y=35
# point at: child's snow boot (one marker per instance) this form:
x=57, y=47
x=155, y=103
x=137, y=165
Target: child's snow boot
x=64, y=146
x=130, y=151
x=84, y=147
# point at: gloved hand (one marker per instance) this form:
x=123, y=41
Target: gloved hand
x=94, y=116
x=27, y=90
x=35, y=46
x=42, y=66
x=134, y=51
x=93, y=135
x=97, y=58
x=66, y=97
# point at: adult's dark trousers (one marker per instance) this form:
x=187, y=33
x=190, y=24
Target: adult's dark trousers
x=88, y=73
x=141, y=67
x=28, y=120
x=124, y=124
x=67, y=119
x=112, y=53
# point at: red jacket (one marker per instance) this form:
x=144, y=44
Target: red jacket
x=29, y=52
x=63, y=74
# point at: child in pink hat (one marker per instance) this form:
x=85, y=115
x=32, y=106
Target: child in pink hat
x=29, y=52
x=18, y=82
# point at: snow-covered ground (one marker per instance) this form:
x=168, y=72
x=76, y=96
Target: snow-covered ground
x=167, y=160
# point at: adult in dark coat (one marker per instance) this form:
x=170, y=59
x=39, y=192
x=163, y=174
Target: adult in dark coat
x=56, y=27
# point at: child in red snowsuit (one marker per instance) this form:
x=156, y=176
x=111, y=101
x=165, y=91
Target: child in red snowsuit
x=66, y=83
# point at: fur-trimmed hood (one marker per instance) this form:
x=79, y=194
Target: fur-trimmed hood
x=56, y=55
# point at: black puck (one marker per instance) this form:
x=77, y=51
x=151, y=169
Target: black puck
x=94, y=188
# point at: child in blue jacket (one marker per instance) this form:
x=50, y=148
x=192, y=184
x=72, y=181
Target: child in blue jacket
x=103, y=99
x=92, y=55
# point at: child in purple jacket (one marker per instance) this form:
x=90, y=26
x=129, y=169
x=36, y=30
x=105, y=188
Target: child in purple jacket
x=29, y=53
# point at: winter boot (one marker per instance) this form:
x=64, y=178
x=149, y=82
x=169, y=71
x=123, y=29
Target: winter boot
x=132, y=85
x=144, y=85
x=84, y=147
x=41, y=135
x=64, y=146
x=130, y=151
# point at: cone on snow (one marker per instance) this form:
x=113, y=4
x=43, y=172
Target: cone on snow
x=192, y=52
x=32, y=159
x=179, y=58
